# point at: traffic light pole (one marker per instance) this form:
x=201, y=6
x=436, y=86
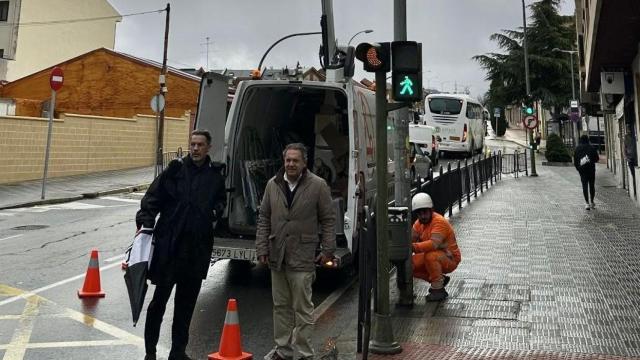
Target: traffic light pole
x=382, y=341
x=528, y=85
x=401, y=179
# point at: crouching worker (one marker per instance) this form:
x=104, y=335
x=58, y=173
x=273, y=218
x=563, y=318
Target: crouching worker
x=434, y=245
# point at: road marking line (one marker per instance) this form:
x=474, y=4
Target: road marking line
x=113, y=198
x=56, y=284
x=17, y=347
x=67, y=344
x=11, y=237
x=105, y=328
x=331, y=299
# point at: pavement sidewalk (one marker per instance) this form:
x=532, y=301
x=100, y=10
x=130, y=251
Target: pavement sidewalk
x=70, y=188
x=541, y=278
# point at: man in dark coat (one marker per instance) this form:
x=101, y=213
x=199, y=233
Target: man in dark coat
x=584, y=159
x=188, y=195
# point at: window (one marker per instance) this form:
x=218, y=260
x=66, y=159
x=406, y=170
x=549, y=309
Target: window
x=4, y=10
x=473, y=111
x=444, y=106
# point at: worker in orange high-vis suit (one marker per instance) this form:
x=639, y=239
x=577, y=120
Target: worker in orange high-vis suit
x=434, y=245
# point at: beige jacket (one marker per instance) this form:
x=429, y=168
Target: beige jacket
x=289, y=236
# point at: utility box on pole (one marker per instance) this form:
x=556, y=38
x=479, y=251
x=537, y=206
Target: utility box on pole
x=399, y=235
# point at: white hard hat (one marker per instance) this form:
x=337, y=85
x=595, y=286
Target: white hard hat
x=421, y=201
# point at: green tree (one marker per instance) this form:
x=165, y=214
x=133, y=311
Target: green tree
x=549, y=71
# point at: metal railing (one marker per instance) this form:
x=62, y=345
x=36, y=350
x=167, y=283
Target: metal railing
x=460, y=183
x=171, y=155
x=515, y=163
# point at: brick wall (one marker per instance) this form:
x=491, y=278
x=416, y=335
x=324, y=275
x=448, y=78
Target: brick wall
x=82, y=144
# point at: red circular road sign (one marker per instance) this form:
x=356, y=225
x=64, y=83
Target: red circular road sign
x=56, y=79
x=530, y=122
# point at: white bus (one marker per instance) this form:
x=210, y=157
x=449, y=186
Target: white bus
x=458, y=122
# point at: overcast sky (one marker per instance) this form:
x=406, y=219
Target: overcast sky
x=240, y=31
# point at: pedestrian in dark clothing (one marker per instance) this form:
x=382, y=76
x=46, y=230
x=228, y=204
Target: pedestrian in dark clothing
x=188, y=195
x=584, y=159
x=538, y=140
x=296, y=215
x=631, y=156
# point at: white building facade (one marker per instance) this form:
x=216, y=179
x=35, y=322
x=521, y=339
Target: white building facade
x=35, y=34
x=608, y=34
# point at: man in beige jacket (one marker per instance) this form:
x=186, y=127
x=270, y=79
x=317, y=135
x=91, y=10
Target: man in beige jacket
x=296, y=207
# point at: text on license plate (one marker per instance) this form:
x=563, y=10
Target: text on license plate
x=233, y=253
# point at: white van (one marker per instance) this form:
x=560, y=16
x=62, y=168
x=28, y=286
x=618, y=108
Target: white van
x=458, y=122
x=424, y=136
x=336, y=120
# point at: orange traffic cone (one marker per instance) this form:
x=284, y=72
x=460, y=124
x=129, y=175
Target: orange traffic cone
x=230, y=346
x=91, y=287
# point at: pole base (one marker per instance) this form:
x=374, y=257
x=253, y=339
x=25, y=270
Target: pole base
x=382, y=342
x=533, y=175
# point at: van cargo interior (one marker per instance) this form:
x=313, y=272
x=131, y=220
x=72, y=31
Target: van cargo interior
x=270, y=117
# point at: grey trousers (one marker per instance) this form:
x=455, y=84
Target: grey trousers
x=293, y=313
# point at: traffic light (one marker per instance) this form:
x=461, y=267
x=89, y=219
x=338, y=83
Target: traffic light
x=407, y=71
x=528, y=107
x=376, y=57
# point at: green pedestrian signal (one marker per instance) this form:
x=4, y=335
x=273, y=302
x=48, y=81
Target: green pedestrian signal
x=528, y=110
x=407, y=86
x=406, y=64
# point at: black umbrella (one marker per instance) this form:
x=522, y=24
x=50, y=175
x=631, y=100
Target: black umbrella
x=135, y=276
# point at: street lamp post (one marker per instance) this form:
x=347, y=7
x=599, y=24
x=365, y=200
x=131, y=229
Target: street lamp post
x=573, y=88
x=368, y=31
x=570, y=52
x=528, y=85
x=282, y=39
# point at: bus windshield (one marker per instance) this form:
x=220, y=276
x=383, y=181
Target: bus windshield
x=445, y=106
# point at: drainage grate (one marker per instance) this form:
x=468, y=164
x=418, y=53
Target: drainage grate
x=30, y=227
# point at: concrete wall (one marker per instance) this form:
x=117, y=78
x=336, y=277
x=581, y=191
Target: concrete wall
x=41, y=46
x=83, y=144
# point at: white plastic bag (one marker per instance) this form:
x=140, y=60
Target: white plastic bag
x=584, y=160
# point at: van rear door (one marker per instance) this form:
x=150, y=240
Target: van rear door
x=212, y=111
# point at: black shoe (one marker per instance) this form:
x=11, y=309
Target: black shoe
x=150, y=357
x=436, y=295
x=179, y=357
x=446, y=280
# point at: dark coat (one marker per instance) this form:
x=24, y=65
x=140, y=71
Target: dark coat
x=187, y=197
x=582, y=150
x=289, y=234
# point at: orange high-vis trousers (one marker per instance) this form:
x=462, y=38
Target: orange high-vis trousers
x=431, y=265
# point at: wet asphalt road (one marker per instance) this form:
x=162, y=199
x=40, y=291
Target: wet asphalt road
x=46, y=249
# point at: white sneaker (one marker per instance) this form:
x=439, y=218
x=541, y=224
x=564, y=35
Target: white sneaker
x=586, y=207
x=593, y=205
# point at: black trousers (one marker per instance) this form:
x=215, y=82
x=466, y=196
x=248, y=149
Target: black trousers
x=187, y=290
x=588, y=180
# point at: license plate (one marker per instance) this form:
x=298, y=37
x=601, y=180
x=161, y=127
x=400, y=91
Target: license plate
x=457, y=138
x=234, y=253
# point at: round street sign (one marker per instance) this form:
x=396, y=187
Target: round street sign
x=157, y=103
x=530, y=122
x=56, y=79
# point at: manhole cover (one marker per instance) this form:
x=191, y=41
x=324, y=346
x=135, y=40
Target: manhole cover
x=30, y=227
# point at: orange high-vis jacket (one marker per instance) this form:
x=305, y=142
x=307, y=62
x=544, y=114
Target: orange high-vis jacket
x=437, y=225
